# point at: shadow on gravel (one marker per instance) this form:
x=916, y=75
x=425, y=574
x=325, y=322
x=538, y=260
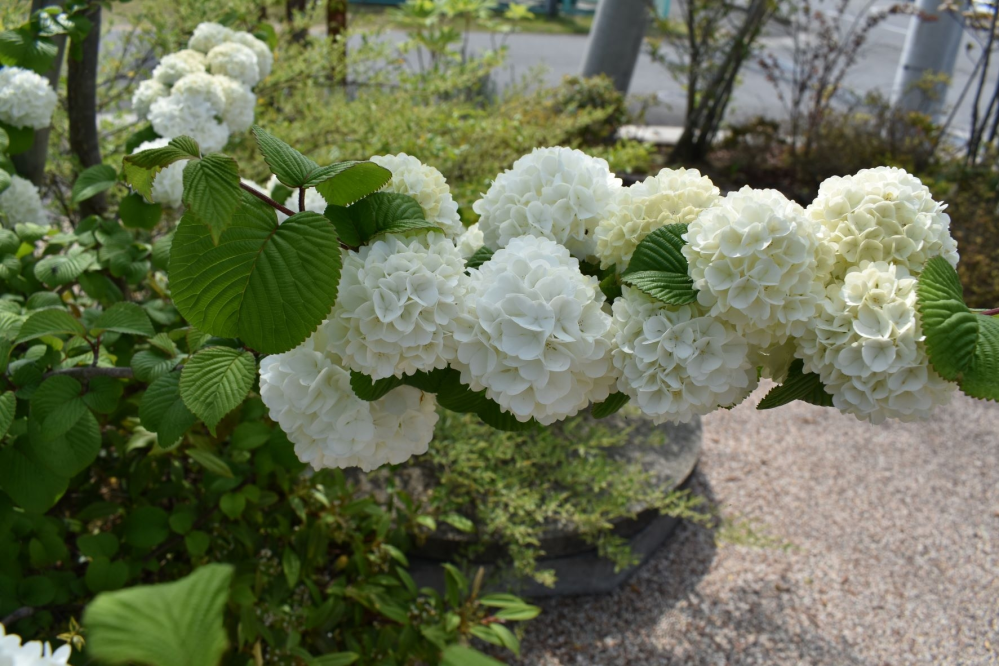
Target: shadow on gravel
x=661, y=618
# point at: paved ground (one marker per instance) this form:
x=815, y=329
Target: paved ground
x=893, y=553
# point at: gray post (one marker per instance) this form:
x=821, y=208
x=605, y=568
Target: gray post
x=931, y=47
x=616, y=40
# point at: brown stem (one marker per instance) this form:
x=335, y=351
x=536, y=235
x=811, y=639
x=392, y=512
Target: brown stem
x=989, y=313
x=19, y=614
x=301, y=199
x=267, y=200
x=90, y=372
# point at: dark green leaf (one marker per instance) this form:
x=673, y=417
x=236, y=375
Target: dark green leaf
x=799, y=385
x=146, y=527
x=103, y=394
x=951, y=329
x=344, y=183
x=481, y=256
x=50, y=322
x=660, y=251
x=126, y=318
x=366, y=389
x=612, y=405
x=382, y=212
x=8, y=404
x=136, y=213
x=669, y=288
x=103, y=575
x=292, y=566
x=140, y=168
x=33, y=486
x=101, y=288
x=59, y=269
x=981, y=377
x=212, y=192
x=215, y=380
x=211, y=462
x=20, y=138
x=136, y=139
x=163, y=411
x=291, y=167
x=150, y=364
x=93, y=181
x=336, y=659
x=104, y=544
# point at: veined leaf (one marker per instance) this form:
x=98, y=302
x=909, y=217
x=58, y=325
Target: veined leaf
x=660, y=251
x=981, y=377
x=126, y=318
x=291, y=167
x=669, y=288
x=93, y=181
x=59, y=269
x=951, y=329
x=344, y=183
x=30, y=484
x=612, y=405
x=459, y=655
x=137, y=213
x=20, y=138
x=481, y=256
x=50, y=322
x=8, y=404
x=215, y=380
x=799, y=385
x=163, y=411
x=366, y=389
x=212, y=192
x=380, y=213
x=140, y=169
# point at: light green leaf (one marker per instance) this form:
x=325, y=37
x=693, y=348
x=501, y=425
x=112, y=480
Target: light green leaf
x=212, y=192
x=612, y=405
x=459, y=655
x=140, y=169
x=93, y=181
x=510, y=642
x=291, y=167
x=8, y=405
x=799, y=385
x=660, y=251
x=268, y=285
x=669, y=288
x=60, y=269
x=21, y=138
x=170, y=624
x=50, y=322
x=951, y=329
x=126, y=318
x=459, y=522
x=366, y=389
x=215, y=381
x=380, y=213
x=137, y=213
x=344, y=183
x=479, y=257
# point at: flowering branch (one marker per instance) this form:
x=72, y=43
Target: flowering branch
x=267, y=200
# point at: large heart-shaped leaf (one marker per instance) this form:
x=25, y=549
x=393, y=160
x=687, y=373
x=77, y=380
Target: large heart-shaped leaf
x=215, y=380
x=380, y=213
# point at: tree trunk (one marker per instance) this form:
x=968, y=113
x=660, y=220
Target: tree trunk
x=81, y=92
x=291, y=8
x=31, y=164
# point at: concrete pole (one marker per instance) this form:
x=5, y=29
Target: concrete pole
x=616, y=40
x=931, y=48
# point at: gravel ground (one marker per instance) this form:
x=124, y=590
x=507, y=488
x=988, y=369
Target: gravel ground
x=887, y=551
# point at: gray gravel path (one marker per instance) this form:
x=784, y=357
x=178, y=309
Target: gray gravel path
x=890, y=555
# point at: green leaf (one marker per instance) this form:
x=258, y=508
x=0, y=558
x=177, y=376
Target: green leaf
x=336, y=659
x=215, y=381
x=292, y=566
x=197, y=543
x=212, y=192
x=93, y=181
x=103, y=394
x=140, y=168
x=660, y=251
x=366, y=389
x=479, y=257
x=459, y=655
x=510, y=642
x=150, y=364
x=5, y=180
x=344, y=183
x=981, y=378
x=136, y=139
x=211, y=462
x=59, y=269
x=380, y=213
x=291, y=167
x=36, y=591
x=459, y=522
x=494, y=416
x=104, y=544
x=147, y=527
x=101, y=288
x=612, y=405
x=170, y=624
x=50, y=322
x=669, y=288
x=232, y=505
x=799, y=385
x=951, y=329
x=126, y=318
x=269, y=285
x=163, y=411
x=33, y=486
x=8, y=405
x=137, y=213
x=20, y=138
x=103, y=575
x=23, y=48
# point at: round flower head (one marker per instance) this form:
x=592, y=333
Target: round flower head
x=168, y=186
x=240, y=103
x=470, y=241
x=755, y=259
x=209, y=35
x=556, y=193
x=669, y=197
x=26, y=99
x=200, y=90
x=148, y=92
x=191, y=109
x=397, y=303
x=175, y=66
x=235, y=61
x=32, y=653
x=534, y=335
x=308, y=393
x=425, y=184
x=867, y=346
x=677, y=363
x=883, y=214
x=265, y=59
x=21, y=203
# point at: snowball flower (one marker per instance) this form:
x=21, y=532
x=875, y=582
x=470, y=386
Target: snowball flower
x=425, y=184
x=240, y=103
x=209, y=35
x=200, y=90
x=758, y=262
x=168, y=185
x=26, y=99
x=677, y=363
x=175, y=66
x=265, y=59
x=235, y=61
x=397, y=303
x=556, y=193
x=534, y=335
x=20, y=203
x=191, y=109
x=308, y=393
x=470, y=241
x=883, y=214
x=867, y=346
x=32, y=653
x=669, y=197
x=145, y=94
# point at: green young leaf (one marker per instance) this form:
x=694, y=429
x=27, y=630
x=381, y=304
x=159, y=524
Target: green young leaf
x=163, y=411
x=50, y=322
x=93, y=181
x=459, y=655
x=799, y=385
x=660, y=251
x=269, y=285
x=291, y=167
x=612, y=405
x=669, y=288
x=380, y=213
x=981, y=377
x=481, y=256
x=212, y=191
x=126, y=318
x=215, y=381
x=951, y=329
x=140, y=168
x=170, y=624
x=344, y=183
x=59, y=269
x=366, y=389
x=20, y=138
x=136, y=213
x=32, y=485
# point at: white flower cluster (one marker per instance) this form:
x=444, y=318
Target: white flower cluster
x=397, y=304
x=26, y=99
x=168, y=185
x=205, y=91
x=21, y=203
x=669, y=197
x=534, y=334
x=470, y=241
x=425, y=184
x=308, y=392
x=555, y=193
x=31, y=653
